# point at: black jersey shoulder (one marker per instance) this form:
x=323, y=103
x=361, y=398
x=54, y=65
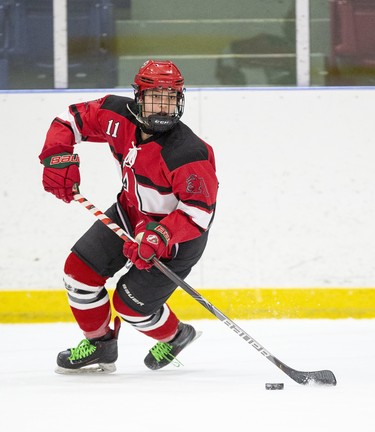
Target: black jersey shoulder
x=119, y=105
x=181, y=146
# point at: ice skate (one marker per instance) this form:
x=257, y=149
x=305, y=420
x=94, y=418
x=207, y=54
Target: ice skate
x=90, y=356
x=164, y=353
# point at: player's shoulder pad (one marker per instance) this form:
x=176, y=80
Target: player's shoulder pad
x=182, y=146
x=117, y=104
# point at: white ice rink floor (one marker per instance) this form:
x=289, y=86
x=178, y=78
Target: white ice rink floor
x=221, y=386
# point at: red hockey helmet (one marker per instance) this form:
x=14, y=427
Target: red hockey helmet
x=158, y=75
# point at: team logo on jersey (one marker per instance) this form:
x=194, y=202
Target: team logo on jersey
x=196, y=185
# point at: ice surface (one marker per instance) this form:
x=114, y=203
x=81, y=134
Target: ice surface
x=221, y=386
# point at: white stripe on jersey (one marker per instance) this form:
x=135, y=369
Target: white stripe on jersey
x=67, y=116
x=199, y=217
x=151, y=201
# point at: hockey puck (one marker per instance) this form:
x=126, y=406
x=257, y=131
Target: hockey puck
x=274, y=386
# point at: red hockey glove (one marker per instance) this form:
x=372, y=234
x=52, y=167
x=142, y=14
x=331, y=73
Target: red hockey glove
x=60, y=174
x=149, y=244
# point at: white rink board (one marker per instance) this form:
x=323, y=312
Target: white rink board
x=296, y=204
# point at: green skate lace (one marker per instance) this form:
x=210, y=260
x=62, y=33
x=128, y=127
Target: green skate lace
x=162, y=351
x=84, y=349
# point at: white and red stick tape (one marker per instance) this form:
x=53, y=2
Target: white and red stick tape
x=103, y=217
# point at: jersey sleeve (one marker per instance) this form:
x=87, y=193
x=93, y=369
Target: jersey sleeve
x=78, y=123
x=195, y=185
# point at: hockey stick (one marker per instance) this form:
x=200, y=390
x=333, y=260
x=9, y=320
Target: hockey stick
x=323, y=377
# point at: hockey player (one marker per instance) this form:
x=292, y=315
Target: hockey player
x=166, y=203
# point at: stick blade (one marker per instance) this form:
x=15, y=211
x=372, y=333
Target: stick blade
x=323, y=377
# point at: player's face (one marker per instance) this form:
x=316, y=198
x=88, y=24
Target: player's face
x=159, y=101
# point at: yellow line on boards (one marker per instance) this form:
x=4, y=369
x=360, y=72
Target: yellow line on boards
x=42, y=306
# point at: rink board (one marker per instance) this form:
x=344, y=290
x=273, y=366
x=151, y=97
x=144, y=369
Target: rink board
x=39, y=306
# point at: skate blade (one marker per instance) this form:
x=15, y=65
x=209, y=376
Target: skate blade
x=198, y=335
x=100, y=368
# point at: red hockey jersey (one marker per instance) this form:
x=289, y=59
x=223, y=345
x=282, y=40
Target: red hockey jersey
x=169, y=177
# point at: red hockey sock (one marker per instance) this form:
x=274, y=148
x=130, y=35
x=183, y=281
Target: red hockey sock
x=162, y=325
x=87, y=296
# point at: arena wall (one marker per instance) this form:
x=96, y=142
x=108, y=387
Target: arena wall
x=293, y=235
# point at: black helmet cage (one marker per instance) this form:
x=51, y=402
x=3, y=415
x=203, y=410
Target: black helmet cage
x=158, y=122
